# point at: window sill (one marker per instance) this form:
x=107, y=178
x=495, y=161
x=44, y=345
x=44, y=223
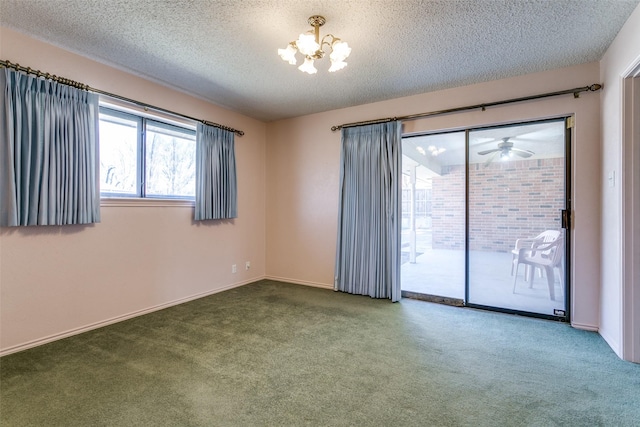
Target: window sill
x=144, y=202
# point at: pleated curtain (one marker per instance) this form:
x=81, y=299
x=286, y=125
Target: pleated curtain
x=48, y=152
x=368, y=247
x=216, y=187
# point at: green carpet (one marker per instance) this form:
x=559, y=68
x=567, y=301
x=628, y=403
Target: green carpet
x=274, y=354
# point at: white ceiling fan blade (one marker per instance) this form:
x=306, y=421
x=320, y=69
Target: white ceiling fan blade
x=495, y=150
x=523, y=153
x=478, y=142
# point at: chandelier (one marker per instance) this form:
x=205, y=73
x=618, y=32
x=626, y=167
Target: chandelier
x=311, y=46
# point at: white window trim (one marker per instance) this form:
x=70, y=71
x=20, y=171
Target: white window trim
x=136, y=110
x=143, y=202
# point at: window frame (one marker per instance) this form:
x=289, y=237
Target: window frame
x=142, y=120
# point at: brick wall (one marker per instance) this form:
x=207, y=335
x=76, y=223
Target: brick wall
x=447, y=208
x=507, y=201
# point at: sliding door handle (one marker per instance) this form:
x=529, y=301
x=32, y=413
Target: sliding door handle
x=566, y=217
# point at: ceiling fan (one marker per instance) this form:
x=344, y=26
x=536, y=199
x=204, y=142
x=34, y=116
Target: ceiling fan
x=505, y=150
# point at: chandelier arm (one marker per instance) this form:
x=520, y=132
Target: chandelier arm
x=330, y=44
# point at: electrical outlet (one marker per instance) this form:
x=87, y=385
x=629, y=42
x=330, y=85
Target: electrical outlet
x=247, y=265
x=234, y=268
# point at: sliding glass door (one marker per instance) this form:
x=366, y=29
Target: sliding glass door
x=482, y=217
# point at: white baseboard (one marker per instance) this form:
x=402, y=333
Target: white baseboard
x=584, y=327
x=300, y=282
x=100, y=324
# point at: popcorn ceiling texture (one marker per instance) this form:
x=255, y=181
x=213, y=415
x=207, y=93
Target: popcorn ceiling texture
x=226, y=51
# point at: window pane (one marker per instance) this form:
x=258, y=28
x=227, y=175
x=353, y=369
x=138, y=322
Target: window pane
x=170, y=161
x=118, y=155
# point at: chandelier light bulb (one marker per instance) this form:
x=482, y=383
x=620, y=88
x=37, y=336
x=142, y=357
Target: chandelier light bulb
x=307, y=44
x=337, y=65
x=339, y=51
x=307, y=66
x=312, y=47
x=288, y=54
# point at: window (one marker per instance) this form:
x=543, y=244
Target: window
x=143, y=157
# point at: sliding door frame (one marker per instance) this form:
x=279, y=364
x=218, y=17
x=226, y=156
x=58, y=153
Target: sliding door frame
x=563, y=315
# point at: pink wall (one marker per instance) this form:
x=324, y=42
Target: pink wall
x=55, y=281
x=302, y=182
x=620, y=295
x=303, y=157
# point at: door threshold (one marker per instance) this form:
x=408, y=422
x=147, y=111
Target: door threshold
x=433, y=298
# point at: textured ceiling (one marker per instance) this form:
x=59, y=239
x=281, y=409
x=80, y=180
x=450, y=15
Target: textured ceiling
x=226, y=51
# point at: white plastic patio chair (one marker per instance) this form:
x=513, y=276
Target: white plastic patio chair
x=547, y=256
x=544, y=237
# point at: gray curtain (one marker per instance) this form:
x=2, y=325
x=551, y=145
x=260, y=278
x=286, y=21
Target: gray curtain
x=216, y=188
x=368, y=249
x=48, y=156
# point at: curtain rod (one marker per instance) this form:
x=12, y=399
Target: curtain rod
x=483, y=107
x=38, y=73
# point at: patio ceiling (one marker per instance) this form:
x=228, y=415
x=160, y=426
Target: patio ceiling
x=429, y=153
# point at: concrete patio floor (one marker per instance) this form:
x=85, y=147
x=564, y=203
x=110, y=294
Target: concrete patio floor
x=442, y=273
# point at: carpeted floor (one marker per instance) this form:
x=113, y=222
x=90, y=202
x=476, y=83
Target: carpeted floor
x=274, y=354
